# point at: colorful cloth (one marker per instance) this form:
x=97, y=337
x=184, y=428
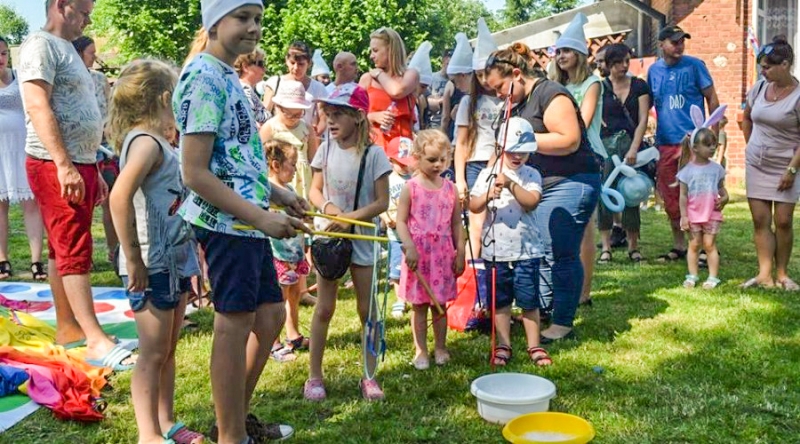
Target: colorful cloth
x=430, y=225
x=10, y=379
x=56, y=384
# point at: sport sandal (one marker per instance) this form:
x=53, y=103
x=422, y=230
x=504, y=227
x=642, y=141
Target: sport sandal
x=690, y=281
x=711, y=283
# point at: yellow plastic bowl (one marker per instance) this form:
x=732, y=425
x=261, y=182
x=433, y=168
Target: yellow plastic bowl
x=548, y=427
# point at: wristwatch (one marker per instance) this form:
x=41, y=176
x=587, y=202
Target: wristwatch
x=792, y=170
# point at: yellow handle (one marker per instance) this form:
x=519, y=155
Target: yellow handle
x=352, y=236
x=346, y=220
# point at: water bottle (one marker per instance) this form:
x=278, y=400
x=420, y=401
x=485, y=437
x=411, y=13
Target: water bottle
x=392, y=109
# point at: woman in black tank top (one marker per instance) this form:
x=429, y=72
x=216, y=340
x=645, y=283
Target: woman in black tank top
x=571, y=178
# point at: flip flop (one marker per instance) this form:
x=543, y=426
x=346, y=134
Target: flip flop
x=753, y=282
x=180, y=434
x=789, y=285
x=130, y=345
x=113, y=359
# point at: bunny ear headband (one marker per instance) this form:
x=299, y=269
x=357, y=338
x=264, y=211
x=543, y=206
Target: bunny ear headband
x=700, y=122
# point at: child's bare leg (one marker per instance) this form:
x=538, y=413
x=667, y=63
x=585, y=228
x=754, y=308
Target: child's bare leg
x=710, y=245
x=227, y=372
x=166, y=395
x=362, y=281
x=693, y=252
x=323, y=312
x=502, y=325
x=419, y=328
x=530, y=320
x=269, y=319
x=154, y=328
x=440, y=336
x=292, y=295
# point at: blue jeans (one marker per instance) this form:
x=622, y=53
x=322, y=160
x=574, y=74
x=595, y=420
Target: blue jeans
x=562, y=217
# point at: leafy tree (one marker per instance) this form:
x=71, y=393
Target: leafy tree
x=13, y=27
x=518, y=12
x=165, y=28
x=157, y=28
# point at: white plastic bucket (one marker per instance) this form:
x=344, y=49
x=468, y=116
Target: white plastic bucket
x=504, y=396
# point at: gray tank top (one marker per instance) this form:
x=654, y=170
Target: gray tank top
x=165, y=238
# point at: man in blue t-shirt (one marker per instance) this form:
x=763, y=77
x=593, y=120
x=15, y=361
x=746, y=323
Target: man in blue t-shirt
x=677, y=82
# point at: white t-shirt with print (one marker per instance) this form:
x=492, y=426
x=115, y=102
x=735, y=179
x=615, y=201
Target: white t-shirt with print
x=515, y=234
x=486, y=111
x=340, y=176
x=316, y=90
x=54, y=60
x=396, y=184
x=209, y=100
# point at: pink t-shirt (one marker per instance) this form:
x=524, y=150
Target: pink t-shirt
x=703, y=183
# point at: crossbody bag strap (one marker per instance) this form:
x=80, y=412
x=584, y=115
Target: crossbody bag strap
x=360, y=181
x=617, y=99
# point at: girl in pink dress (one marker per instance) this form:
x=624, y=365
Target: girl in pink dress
x=429, y=227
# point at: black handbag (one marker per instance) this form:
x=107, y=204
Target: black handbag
x=332, y=255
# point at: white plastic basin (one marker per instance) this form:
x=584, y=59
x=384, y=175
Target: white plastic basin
x=504, y=396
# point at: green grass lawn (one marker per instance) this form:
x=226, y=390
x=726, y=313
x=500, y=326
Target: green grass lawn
x=678, y=366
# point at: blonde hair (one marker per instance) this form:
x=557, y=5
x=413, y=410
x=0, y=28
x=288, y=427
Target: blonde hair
x=138, y=98
x=554, y=72
x=704, y=136
x=245, y=60
x=430, y=137
x=397, y=50
x=363, y=127
x=198, y=45
x=278, y=150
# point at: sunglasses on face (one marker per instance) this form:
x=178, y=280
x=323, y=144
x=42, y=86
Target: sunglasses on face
x=259, y=63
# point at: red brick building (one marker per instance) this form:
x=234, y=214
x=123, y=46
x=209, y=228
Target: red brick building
x=720, y=32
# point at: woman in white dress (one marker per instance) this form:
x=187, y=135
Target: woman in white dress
x=13, y=181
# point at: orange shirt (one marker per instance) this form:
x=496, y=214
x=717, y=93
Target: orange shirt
x=379, y=100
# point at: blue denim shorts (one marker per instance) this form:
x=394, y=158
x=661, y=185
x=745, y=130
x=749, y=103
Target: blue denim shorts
x=516, y=281
x=473, y=169
x=158, y=292
x=395, y=259
x=241, y=271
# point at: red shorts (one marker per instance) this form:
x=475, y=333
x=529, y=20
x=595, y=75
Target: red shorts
x=666, y=170
x=68, y=226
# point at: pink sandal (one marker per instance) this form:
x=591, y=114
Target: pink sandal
x=371, y=390
x=314, y=390
x=180, y=434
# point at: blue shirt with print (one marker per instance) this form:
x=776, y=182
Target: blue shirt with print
x=675, y=89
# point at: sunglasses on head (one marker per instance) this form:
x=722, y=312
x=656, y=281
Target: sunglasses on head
x=766, y=50
x=298, y=58
x=493, y=60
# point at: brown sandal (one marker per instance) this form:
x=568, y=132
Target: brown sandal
x=502, y=354
x=539, y=356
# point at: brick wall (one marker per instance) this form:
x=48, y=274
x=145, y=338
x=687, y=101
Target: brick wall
x=718, y=29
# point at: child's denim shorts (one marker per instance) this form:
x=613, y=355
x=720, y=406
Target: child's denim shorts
x=158, y=292
x=395, y=259
x=516, y=281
